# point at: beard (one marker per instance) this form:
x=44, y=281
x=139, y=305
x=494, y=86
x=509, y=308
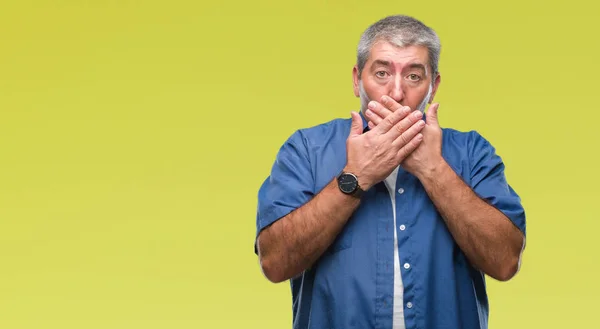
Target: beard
x=364, y=99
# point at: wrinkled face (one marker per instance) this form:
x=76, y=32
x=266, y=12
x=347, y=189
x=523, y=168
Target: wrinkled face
x=403, y=74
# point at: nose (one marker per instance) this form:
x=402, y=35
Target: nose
x=396, y=91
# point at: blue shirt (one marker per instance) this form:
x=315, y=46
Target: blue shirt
x=352, y=284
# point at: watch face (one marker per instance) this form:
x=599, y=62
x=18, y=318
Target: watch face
x=347, y=183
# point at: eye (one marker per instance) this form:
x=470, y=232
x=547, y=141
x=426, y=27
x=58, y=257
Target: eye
x=381, y=74
x=414, y=77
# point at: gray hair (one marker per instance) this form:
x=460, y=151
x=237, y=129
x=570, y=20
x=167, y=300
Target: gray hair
x=401, y=31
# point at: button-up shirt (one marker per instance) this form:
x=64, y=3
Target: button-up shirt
x=352, y=284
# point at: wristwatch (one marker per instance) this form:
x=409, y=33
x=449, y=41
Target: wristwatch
x=348, y=184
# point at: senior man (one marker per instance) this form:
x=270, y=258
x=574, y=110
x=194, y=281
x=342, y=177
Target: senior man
x=387, y=220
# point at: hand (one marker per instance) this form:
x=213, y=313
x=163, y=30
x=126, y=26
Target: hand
x=427, y=157
x=374, y=155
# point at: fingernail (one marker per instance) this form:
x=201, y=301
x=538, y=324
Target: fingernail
x=368, y=112
x=371, y=105
x=417, y=114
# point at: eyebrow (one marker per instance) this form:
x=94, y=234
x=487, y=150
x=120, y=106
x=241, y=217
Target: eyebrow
x=381, y=62
x=409, y=66
x=417, y=66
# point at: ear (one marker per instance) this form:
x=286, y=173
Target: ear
x=355, y=80
x=438, y=79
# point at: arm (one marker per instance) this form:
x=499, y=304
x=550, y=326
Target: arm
x=294, y=227
x=296, y=241
x=491, y=239
x=488, y=238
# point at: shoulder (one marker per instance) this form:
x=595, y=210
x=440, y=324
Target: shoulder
x=462, y=137
x=320, y=134
x=467, y=149
x=471, y=141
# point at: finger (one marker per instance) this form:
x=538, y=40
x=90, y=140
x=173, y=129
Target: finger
x=409, y=148
x=379, y=109
x=389, y=121
x=373, y=117
x=356, y=128
x=371, y=125
x=400, y=127
x=432, y=114
x=390, y=103
x=409, y=134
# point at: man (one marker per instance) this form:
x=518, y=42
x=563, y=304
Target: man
x=386, y=220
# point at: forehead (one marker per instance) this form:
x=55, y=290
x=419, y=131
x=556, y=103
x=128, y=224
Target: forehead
x=398, y=56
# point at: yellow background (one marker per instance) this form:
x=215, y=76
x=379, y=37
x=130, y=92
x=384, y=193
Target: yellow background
x=134, y=136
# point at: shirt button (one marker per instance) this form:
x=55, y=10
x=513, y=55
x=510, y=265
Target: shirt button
x=406, y=266
x=400, y=190
x=409, y=305
x=402, y=227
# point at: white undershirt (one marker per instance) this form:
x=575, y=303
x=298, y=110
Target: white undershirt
x=398, y=319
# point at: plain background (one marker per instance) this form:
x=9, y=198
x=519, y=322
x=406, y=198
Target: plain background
x=134, y=136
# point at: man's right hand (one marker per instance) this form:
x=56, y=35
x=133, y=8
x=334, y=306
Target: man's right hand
x=295, y=242
x=372, y=156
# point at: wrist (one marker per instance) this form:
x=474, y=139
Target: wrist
x=364, y=182
x=433, y=171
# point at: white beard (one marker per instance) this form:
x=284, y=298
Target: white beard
x=364, y=99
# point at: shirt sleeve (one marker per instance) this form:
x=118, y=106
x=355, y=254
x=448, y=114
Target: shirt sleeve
x=489, y=181
x=289, y=185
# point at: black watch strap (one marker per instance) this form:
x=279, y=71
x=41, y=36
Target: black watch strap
x=358, y=192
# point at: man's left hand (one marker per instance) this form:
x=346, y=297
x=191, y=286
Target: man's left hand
x=427, y=158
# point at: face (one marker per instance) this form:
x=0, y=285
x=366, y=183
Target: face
x=400, y=73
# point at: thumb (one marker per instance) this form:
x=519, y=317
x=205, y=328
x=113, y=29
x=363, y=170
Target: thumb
x=357, y=124
x=432, y=114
